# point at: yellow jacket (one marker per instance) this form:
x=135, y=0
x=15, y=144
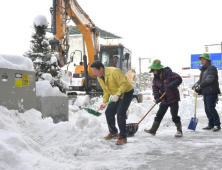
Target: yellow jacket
x=115, y=83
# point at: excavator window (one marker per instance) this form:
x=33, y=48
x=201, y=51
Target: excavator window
x=126, y=63
x=111, y=57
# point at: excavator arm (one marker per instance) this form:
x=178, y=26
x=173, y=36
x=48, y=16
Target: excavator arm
x=62, y=12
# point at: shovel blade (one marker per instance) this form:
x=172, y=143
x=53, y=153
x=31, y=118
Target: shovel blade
x=193, y=123
x=131, y=129
x=93, y=112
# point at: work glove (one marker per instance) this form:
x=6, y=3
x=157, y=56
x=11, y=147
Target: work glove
x=195, y=85
x=198, y=89
x=113, y=98
x=167, y=90
x=102, y=106
x=157, y=101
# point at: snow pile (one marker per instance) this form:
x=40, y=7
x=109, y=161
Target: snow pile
x=79, y=144
x=82, y=100
x=16, y=62
x=44, y=88
x=26, y=135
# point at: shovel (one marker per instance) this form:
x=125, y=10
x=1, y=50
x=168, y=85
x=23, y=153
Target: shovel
x=194, y=120
x=96, y=113
x=148, y=112
x=130, y=127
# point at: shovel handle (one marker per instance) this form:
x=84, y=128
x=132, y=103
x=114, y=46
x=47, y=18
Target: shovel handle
x=149, y=110
x=103, y=106
x=195, y=106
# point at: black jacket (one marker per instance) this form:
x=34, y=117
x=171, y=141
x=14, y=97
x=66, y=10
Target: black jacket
x=209, y=79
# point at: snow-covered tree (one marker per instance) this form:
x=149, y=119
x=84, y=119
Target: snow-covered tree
x=44, y=60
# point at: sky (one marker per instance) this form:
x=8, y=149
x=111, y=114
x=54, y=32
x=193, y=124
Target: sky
x=167, y=30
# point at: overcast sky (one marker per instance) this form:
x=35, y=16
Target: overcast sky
x=167, y=30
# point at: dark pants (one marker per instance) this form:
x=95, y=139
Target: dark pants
x=174, y=107
x=210, y=104
x=120, y=107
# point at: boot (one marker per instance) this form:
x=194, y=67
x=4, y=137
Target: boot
x=216, y=128
x=208, y=128
x=109, y=136
x=121, y=141
x=153, y=129
x=179, y=130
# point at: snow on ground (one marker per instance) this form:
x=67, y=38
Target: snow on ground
x=29, y=142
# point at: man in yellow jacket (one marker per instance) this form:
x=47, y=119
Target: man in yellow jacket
x=118, y=90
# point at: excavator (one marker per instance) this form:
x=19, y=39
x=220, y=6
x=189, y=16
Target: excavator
x=83, y=79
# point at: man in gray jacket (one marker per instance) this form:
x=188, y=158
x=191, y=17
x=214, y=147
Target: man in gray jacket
x=208, y=86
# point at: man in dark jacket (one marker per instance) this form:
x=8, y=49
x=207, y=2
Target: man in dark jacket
x=208, y=86
x=165, y=81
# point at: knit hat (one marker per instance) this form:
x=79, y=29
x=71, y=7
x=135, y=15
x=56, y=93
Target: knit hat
x=205, y=55
x=156, y=65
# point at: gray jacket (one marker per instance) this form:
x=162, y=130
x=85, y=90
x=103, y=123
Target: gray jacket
x=209, y=79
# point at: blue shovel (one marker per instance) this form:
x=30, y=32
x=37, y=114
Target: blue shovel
x=194, y=120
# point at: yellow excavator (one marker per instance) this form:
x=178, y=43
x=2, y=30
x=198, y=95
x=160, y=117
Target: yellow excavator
x=83, y=78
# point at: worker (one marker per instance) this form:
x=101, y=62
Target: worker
x=119, y=91
x=113, y=64
x=165, y=81
x=208, y=86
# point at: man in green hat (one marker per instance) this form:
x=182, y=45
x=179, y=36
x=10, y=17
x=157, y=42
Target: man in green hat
x=208, y=86
x=165, y=81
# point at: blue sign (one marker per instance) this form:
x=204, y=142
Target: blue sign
x=214, y=57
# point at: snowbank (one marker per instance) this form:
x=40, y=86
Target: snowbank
x=79, y=143
x=16, y=62
x=44, y=88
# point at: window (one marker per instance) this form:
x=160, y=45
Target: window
x=111, y=57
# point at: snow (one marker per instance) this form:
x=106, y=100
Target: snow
x=79, y=144
x=44, y=88
x=40, y=20
x=16, y=62
x=53, y=59
x=47, y=76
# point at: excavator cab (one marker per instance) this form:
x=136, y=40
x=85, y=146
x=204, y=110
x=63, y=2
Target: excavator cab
x=116, y=56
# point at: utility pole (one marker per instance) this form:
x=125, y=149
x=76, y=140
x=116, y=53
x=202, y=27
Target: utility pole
x=140, y=69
